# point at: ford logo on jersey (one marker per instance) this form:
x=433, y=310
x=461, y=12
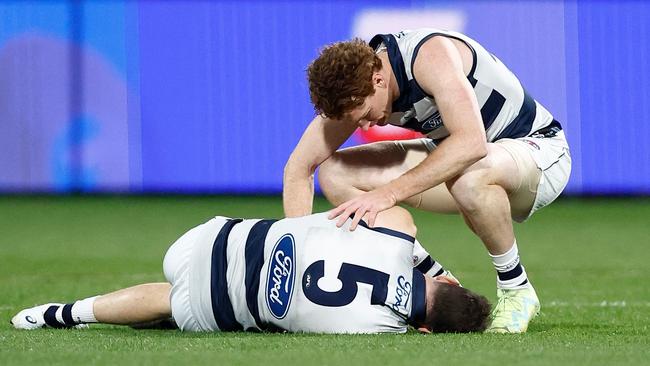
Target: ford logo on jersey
x=433, y=122
x=402, y=294
x=281, y=276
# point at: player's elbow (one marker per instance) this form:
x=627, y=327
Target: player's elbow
x=469, y=149
x=295, y=169
x=476, y=148
x=480, y=150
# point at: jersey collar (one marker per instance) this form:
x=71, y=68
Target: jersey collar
x=406, y=95
x=418, y=301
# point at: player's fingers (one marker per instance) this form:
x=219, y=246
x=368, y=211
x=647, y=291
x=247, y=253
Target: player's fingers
x=339, y=210
x=343, y=217
x=336, y=211
x=372, y=215
x=361, y=211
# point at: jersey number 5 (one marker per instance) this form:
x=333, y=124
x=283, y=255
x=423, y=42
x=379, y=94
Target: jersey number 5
x=350, y=275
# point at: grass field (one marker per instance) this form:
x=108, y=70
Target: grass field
x=588, y=259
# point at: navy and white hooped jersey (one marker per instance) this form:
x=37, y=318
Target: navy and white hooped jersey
x=306, y=275
x=507, y=110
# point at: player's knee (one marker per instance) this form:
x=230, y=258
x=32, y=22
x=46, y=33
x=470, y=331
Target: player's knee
x=162, y=300
x=331, y=175
x=468, y=190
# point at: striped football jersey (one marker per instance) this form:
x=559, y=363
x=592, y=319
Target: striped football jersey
x=307, y=275
x=507, y=110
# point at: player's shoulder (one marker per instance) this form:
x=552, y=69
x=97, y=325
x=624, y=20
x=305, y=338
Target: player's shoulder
x=318, y=217
x=421, y=35
x=403, y=38
x=388, y=231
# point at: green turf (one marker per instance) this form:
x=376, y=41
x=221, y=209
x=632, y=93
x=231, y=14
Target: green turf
x=587, y=258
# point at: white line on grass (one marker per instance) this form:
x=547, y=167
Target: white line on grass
x=600, y=304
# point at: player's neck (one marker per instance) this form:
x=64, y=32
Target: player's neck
x=393, y=87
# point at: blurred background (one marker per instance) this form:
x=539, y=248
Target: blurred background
x=211, y=97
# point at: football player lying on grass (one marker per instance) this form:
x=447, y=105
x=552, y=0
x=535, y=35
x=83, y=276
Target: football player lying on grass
x=297, y=274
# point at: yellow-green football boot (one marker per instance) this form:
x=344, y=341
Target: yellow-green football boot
x=515, y=308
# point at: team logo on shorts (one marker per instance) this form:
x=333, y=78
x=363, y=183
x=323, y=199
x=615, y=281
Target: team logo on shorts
x=531, y=143
x=281, y=276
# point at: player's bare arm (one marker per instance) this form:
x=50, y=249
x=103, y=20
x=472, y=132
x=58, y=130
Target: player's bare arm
x=321, y=138
x=465, y=145
x=459, y=109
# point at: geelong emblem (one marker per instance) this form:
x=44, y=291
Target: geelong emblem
x=281, y=276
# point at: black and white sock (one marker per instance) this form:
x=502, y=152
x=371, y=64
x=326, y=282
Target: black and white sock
x=69, y=315
x=424, y=263
x=510, y=272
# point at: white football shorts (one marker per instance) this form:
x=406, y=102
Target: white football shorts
x=553, y=160
x=187, y=267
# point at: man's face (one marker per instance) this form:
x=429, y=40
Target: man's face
x=375, y=109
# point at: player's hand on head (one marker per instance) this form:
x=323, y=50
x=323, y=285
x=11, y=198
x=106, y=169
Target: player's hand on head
x=367, y=206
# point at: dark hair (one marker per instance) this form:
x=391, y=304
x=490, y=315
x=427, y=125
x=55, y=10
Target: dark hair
x=458, y=310
x=341, y=77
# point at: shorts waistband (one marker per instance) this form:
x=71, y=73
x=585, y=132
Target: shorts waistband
x=549, y=131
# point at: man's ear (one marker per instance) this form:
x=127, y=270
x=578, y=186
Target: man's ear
x=378, y=79
x=445, y=279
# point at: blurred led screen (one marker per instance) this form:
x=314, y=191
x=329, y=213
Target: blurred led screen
x=185, y=96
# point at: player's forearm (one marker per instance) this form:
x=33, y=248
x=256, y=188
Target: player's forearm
x=321, y=138
x=297, y=192
x=448, y=160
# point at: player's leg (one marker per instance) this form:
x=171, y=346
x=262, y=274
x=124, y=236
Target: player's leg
x=502, y=186
x=352, y=171
x=133, y=305
x=481, y=193
x=544, y=165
